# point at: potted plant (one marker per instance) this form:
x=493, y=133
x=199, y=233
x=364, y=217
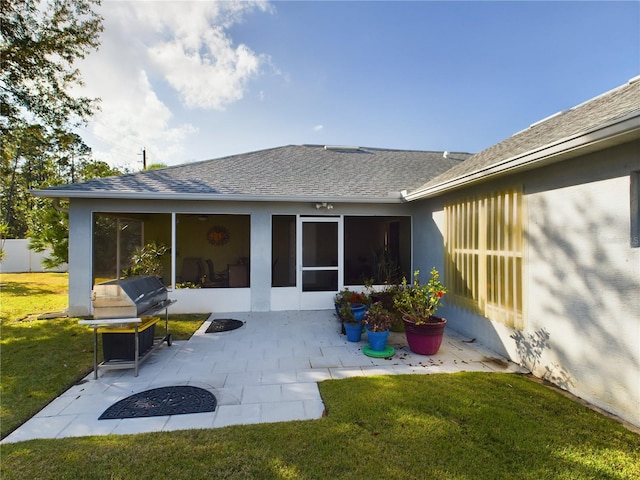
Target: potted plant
x=355, y=300
x=377, y=321
x=418, y=303
x=351, y=325
x=386, y=297
x=358, y=303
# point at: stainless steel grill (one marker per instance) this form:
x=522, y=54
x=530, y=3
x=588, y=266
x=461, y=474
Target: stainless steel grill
x=129, y=297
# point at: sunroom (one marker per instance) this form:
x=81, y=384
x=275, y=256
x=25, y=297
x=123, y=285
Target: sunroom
x=207, y=258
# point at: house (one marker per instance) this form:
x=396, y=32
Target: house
x=538, y=237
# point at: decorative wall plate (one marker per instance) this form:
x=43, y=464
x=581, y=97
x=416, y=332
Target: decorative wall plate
x=218, y=235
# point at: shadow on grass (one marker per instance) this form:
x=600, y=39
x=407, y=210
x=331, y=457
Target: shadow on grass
x=24, y=289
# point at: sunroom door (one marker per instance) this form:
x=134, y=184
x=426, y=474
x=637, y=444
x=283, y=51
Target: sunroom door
x=320, y=254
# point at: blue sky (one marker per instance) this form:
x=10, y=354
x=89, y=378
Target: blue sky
x=191, y=81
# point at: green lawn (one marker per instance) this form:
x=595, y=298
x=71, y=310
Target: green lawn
x=457, y=426
x=23, y=294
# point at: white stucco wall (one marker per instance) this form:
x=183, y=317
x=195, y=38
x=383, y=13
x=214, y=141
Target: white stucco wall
x=582, y=280
x=584, y=284
x=80, y=258
x=260, y=295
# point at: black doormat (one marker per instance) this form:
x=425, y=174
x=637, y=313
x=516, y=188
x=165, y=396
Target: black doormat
x=156, y=402
x=224, y=325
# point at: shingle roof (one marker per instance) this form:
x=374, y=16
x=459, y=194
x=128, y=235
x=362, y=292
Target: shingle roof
x=293, y=171
x=615, y=104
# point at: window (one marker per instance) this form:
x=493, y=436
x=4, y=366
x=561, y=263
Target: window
x=117, y=238
x=212, y=251
x=377, y=248
x=484, y=250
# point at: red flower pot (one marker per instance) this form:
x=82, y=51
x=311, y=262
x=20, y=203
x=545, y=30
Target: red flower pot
x=424, y=339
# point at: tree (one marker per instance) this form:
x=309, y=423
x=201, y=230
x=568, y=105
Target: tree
x=49, y=222
x=155, y=166
x=40, y=43
x=22, y=151
x=3, y=236
x=41, y=40
x=31, y=159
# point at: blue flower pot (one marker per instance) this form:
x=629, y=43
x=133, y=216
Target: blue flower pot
x=359, y=311
x=377, y=340
x=354, y=331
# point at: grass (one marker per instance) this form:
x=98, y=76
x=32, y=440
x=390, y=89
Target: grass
x=40, y=359
x=24, y=294
x=457, y=426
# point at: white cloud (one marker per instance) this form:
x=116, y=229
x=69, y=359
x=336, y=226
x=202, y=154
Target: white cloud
x=154, y=56
x=134, y=119
x=191, y=49
x=206, y=81
x=318, y=128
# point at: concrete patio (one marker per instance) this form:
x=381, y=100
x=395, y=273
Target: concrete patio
x=265, y=371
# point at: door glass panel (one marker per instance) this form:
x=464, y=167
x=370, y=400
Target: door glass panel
x=320, y=244
x=320, y=281
x=283, y=251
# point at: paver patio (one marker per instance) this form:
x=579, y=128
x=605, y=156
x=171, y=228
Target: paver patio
x=265, y=371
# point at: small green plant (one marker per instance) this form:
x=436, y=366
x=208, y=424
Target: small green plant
x=388, y=270
x=348, y=296
x=418, y=302
x=4, y=231
x=342, y=296
x=187, y=285
x=346, y=313
x=147, y=260
x=378, y=318
x=345, y=300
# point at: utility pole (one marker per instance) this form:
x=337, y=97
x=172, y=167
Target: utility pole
x=144, y=158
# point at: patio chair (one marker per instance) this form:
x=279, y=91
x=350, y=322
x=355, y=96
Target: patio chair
x=212, y=280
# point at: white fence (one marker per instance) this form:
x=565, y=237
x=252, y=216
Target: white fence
x=18, y=258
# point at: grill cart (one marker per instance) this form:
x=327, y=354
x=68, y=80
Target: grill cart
x=123, y=313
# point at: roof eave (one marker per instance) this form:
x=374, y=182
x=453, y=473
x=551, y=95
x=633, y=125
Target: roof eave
x=392, y=197
x=616, y=132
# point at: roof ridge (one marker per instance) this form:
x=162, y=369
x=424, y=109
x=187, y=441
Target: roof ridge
x=383, y=149
x=579, y=105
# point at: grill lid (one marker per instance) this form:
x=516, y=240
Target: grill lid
x=128, y=297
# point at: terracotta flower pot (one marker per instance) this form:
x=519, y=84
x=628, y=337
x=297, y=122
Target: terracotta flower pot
x=424, y=339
